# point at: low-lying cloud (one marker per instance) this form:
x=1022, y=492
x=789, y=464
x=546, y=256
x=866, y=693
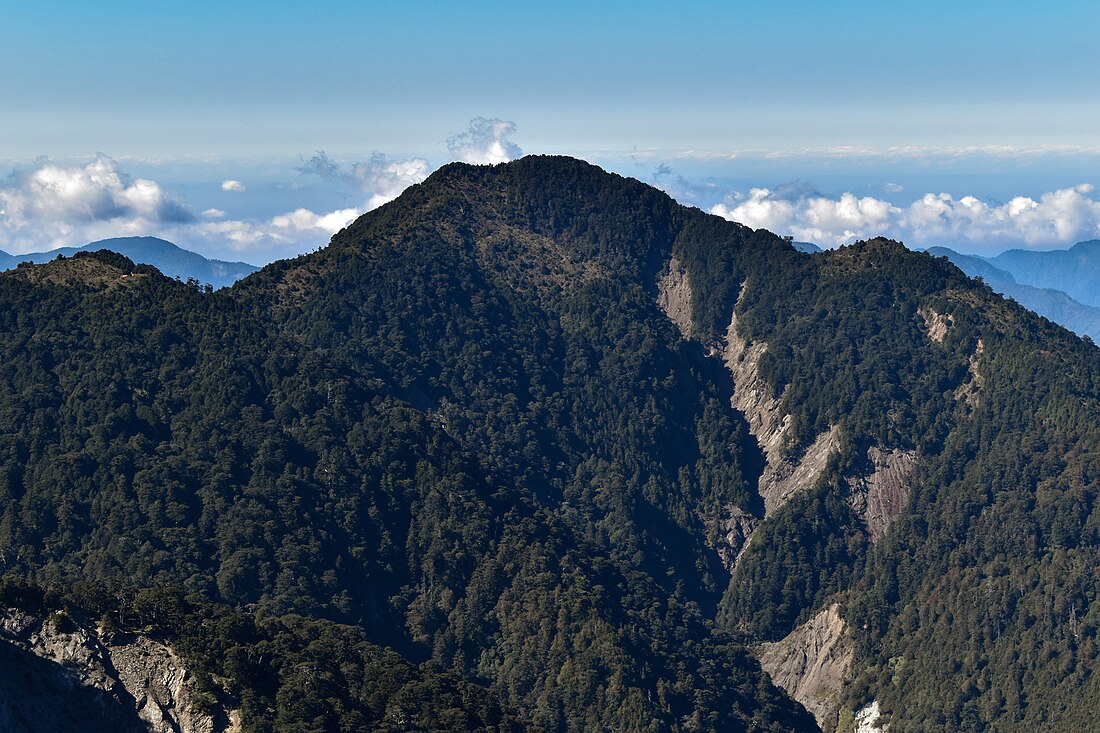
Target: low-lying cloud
x=379, y=178
x=284, y=235
x=1054, y=219
x=485, y=141
x=52, y=203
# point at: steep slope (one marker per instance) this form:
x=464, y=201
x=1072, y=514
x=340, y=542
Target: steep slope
x=170, y=259
x=996, y=409
x=1056, y=305
x=541, y=427
x=465, y=427
x=59, y=676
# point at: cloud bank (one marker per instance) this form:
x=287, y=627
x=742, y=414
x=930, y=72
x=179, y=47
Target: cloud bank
x=1055, y=219
x=57, y=205
x=485, y=142
x=52, y=205
x=379, y=178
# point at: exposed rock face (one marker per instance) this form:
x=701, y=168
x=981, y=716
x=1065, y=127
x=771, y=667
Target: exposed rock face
x=969, y=391
x=751, y=394
x=674, y=296
x=65, y=679
x=869, y=719
x=937, y=324
x=783, y=474
x=738, y=526
x=881, y=495
x=812, y=663
x=784, y=478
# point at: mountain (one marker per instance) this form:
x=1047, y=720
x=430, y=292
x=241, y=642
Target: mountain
x=1075, y=271
x=170, y=259
x=1056, y=305
x=533, y=447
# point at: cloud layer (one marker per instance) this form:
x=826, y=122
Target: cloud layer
x=1056, y=218
x=485, y=142
x=55, y=205
x=48, y=204
x=381, y=179
x=51, y=205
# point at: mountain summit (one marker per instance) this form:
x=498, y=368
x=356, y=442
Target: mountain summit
x=579, y=458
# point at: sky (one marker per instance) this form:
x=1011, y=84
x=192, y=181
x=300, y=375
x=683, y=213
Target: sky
x=255, y=130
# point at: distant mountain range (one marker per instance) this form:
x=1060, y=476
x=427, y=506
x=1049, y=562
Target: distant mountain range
x=1029, y=278
x=1075, y=271
x=170, y=259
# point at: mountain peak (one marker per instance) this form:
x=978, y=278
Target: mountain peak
x=99, y=268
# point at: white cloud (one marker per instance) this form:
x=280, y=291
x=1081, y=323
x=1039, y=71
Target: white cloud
x=55, y=205
x=51, y=205
x=381, y=179
x=1056, y=218
x=284, y=235
x=232, y=185
x=893, y=188
x=485, y=142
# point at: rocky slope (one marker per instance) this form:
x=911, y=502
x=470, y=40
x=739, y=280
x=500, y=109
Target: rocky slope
x=813, y=663
x=58, y=676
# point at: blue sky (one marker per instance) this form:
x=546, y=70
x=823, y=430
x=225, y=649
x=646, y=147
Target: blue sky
x=883, y=101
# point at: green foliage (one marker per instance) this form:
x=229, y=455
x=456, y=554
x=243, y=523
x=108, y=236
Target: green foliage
x=809, y=551
x=458, y=470
x=509, y=468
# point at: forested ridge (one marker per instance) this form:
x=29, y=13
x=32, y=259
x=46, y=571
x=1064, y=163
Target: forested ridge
x=458, y=470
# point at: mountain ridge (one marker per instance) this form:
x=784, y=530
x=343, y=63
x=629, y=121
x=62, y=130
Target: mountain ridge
x=1075, y=271
x=469, y=429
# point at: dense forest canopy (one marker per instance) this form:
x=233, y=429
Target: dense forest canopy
x=463, y=463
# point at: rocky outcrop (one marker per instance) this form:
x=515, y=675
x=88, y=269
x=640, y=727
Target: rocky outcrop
x=751, y=394
x=737, y=528
x=58, y=676
x=869, y=719
x=674, y=296
x=880, y=495
x=785, y=477
x=784, y=474
x=969, y=390
x=812, y=664
x=936, y=324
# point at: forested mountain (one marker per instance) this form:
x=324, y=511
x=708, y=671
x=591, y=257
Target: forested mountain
x=1054, y=304
x=535, y=448
x=170, y=259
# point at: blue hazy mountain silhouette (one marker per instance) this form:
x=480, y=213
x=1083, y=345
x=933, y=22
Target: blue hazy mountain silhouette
x=169, y=258
x=1028, y=268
